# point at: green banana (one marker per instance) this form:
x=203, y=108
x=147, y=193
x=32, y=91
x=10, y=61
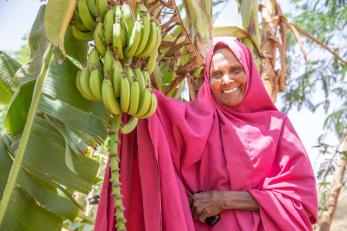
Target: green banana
x=147, y=78
x=117, y=75
x=152, y=108
x=85, y=15
x=118, y=14
x=124, y=94
x=108, y=97
x=99, y=39
x=142, y=8
x=129, y=73
x=118, y=40
x=128, y=19
x=108, y=26
x=84, y=83
x=145, y=28
x=92, y=8
x=81, y=35
x=108, y=64
x=78, y=85
x=119, y=32
x=152, y=62
x=145, y=102
x=78, y=22
x=93, y=61
x=134, y=97
x=129, y=126
x=140, y=78
x=134, y=40
x=101, y=6
x=152, y=40
x=157, y=45
x=95, y=84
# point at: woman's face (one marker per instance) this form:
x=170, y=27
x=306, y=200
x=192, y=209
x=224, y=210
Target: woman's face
x=227, y=79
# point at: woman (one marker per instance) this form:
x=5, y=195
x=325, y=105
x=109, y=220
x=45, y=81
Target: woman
x=229, y=153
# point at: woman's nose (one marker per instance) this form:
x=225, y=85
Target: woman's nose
x=227, y=79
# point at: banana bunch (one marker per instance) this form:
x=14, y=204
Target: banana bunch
x=85, y=18
x=89, y=79
x=143, y=34
x=112, y=75
x=136, y=97
x=117, y=38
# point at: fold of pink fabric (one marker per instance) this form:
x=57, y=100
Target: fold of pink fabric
x=203, y=146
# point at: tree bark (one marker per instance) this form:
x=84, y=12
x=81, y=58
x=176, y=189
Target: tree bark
x=326, y=217
x=248, y=9
x=269, y=44
x=199, y=26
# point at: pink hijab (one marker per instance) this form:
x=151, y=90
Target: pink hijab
x=203, y=146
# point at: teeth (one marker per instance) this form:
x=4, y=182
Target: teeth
x=230, y=91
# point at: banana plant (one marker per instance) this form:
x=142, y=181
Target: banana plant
x=44, y=157
x=248, y=9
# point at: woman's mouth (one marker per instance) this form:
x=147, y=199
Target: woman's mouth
x=230, y=90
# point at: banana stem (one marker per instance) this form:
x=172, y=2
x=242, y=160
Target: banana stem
x=115, y=175
x=17, y=163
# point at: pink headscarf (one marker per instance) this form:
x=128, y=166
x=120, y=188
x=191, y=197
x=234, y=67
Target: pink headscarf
x=203, y=146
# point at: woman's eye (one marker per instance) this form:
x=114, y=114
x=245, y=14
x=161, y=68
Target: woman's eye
x=235, y=71
x=217, y=75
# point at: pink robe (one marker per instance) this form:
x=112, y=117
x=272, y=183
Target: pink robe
x=203, y=146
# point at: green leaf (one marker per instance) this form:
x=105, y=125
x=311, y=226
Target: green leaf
x=230, y=31
x=52, y=162
x=76, y=50
x=38, y=45
x=8, y=67
x=5, y=163
x=61, y=84
x=5, y=94
x=48, y=202
x=26, y=215
x=46, y=197
x=46, y=149
x=57, y=18
x=16, y=167
x=68, y=155
x=18, y=108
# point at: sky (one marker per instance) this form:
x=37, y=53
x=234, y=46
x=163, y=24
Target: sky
x=17, y=18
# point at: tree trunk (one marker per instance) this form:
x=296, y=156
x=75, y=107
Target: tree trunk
x=248, y=9
x=269, y=45
x=327, y=216
x=199, y=26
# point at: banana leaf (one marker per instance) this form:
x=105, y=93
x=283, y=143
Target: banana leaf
x=38, y=45
x=24, y=212
x=57, y=18
x=54, y=165
x=74, y=123
x=8, y=67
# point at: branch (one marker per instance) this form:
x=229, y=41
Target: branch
x=301, y=31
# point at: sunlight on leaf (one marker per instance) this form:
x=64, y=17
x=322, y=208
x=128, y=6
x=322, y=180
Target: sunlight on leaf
x=57, y=18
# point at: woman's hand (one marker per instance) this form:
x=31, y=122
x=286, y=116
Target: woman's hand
x=207, y=204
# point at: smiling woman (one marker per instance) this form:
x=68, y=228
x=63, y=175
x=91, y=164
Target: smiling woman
x=228, y=80
x=228, y=159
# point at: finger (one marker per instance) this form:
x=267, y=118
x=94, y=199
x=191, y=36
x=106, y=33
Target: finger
x=195, y=215
x=202, y=218
x=199, y=211
x=199, y=195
